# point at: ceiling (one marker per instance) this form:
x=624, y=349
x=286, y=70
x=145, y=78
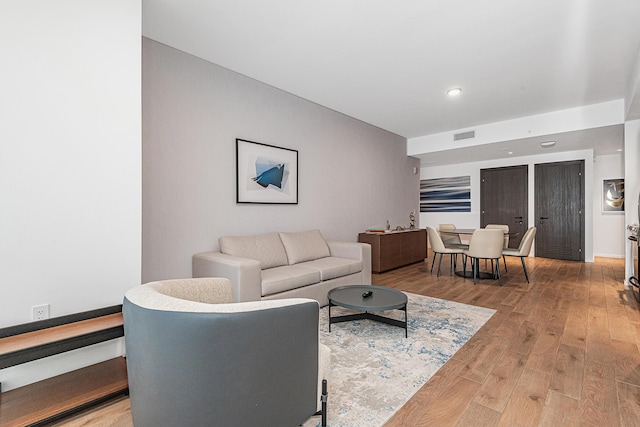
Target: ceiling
x=390, y=63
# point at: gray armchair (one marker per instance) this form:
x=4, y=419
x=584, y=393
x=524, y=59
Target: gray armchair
x=195, y=359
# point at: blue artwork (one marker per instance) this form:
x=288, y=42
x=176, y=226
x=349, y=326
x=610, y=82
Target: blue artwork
x=269, y=174
x=265, y=173
x=446, y=194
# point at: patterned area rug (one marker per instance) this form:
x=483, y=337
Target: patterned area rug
x=375, y=370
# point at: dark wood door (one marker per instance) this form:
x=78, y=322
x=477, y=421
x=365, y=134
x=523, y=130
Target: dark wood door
x=559, y=210
x=504, y=199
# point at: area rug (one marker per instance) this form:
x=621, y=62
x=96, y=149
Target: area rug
x=375, y=370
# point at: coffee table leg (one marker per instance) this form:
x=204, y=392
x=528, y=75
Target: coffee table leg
x=406, y=331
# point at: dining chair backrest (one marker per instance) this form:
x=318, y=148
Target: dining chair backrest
x=527, y=241
x=486, y=243
x=437, y=245
x=505, y=230
x=446, y=237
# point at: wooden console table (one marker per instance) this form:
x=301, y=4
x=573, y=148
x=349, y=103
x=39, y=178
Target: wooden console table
x=395, y=249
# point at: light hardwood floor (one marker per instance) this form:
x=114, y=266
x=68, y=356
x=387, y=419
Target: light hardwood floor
x=560, y=351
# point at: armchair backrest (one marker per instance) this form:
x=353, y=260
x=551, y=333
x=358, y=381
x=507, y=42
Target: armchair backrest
x=203, y=364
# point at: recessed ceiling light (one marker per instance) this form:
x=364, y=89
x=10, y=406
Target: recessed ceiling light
x=547, y=144
x=454, y=91
x=510, y=152
x=619, y=149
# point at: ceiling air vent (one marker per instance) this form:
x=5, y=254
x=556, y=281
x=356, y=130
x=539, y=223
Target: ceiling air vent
x=464, y=135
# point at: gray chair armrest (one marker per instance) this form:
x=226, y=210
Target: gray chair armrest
x=353, y=250
x=244, y=273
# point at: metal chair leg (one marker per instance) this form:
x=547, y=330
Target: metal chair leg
x=505, y=263
x=323, y=400
x=464, y=266
x=439, y=264
x=524, y=267
x=498, y=270
x=474, y=267
x=433, y=261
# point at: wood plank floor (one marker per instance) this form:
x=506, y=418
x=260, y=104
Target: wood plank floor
x=560, y=351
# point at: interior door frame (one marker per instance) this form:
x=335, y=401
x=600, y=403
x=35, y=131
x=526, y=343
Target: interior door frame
x=582, y=205
x=509, y=219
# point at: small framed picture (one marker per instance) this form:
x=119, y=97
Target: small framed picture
x=613, y=195
x=266, y=173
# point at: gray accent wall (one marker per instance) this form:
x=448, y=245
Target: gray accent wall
x=351, y=175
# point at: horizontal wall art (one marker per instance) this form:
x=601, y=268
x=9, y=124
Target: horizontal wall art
x=266, y=173
x=446, y=194
x=613, y=195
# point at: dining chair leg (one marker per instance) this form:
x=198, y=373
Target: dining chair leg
x=474, y=267
x=505, y=263
x=439, y=264
x=464, y=266
x=498, y=270
x=433, y=261
x=524, y=267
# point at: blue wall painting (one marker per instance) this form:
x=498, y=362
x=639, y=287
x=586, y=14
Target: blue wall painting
x=446, y=194
x=266, y=173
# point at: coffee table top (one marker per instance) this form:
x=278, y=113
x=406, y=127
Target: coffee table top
x=381, y=299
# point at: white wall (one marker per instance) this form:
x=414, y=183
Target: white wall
x=351, y=175
x=472, y=219
x=70, y=163
x=631, y=181
x=609, y=238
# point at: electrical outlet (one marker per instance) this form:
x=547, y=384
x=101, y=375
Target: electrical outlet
x=40, y=312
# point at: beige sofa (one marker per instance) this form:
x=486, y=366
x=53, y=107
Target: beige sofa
x=285, y=265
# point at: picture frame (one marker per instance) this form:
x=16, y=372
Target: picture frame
x=265, y=173
x=613, y=195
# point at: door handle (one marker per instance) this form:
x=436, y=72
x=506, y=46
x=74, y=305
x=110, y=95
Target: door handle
x=542, y=218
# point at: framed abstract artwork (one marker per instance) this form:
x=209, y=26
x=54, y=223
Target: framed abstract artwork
x=613, y=195
x=266, y=173
x=446, y=194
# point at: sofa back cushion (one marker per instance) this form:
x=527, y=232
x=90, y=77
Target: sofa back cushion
x=266, y=248
x=304, y=246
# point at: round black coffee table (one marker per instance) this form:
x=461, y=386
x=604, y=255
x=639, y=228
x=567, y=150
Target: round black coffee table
x=355, y=297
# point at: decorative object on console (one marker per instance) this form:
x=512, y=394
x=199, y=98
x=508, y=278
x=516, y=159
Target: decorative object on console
x=412, y=220
x=266, y=173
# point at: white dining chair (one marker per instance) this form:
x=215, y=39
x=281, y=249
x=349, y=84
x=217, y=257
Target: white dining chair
x=485, y=244
x=523, y=249
x=438, y=247
x=449, y=237
x=505, y=231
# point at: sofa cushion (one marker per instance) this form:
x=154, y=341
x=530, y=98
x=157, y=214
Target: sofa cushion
x=332, y=267
x=280, y=279
x=304, y=246
x=266, y=248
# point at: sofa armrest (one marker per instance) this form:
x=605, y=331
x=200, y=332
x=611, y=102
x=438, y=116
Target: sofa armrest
x=354, y=250
x=244, y=273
